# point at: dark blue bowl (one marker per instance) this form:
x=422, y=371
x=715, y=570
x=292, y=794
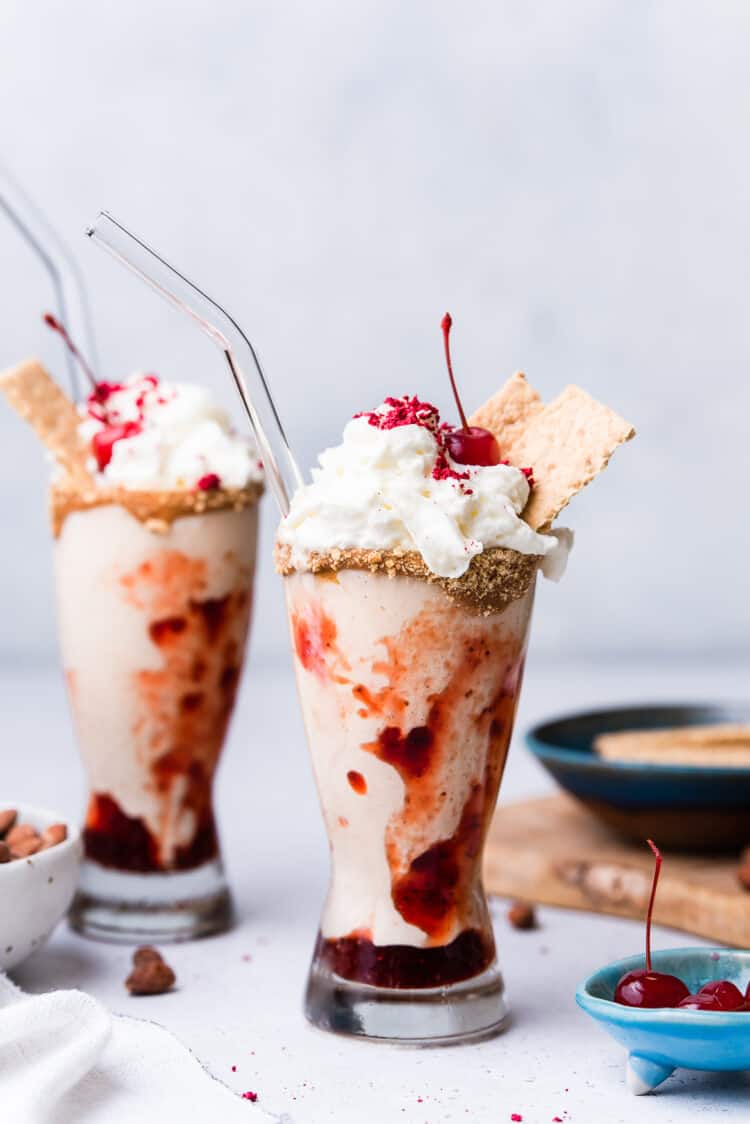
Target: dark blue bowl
x=693, y=807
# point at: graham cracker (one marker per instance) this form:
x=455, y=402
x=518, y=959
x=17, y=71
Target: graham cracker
x=509, y=412
x=567, y=442
x=38, y=399
x=722, y=744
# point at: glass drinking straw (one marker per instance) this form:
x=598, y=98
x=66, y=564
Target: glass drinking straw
x=281, y=468
x=73, y=308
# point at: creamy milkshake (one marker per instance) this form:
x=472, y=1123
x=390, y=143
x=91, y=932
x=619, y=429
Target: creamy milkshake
x=409, y=571
x=155, y=542
x=393, y=677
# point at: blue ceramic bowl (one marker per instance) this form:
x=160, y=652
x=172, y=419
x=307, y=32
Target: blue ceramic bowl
x=660, y=1040
x=683, y=806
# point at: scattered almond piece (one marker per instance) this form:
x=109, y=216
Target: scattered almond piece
x=18, y=833
x=7, y=819
x=151, y=974
x=522, y=915
x=54, y=834
x=146, y=954
x=29, y=845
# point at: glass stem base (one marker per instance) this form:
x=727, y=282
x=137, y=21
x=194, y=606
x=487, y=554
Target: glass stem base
x=127, y=908
x=467, y=1011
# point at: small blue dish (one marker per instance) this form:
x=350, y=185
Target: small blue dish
x=659, y=1040
x=692, y=807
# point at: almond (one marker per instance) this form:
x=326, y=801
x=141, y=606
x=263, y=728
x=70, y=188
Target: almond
x=150, y=977
x=29, y=845
x=522, y=916
x=19, y=832
x=54, y=834
x=7, y=819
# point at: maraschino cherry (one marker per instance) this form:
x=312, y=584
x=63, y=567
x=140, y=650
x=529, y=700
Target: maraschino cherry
x=470, y=444
x=644, y=987
x=716, y=995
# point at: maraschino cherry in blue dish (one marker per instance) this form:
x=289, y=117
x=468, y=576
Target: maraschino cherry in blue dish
x=687, y=1007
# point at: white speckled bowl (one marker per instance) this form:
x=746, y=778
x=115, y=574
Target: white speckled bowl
x=35, y=893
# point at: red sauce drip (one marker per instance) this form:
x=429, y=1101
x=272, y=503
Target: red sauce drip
x=114, y=839
x=410, y=754
x=357, y=781
x=404, y=966
x=435, y=883
x=184, y=705
x=434, y=888
x=213, y=611
x=163, y=632
x=314, y=639
x=193, y=700
x=198, y=647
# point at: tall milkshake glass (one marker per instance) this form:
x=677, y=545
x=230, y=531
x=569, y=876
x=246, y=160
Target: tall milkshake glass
x=408, y=689
x=154, y=593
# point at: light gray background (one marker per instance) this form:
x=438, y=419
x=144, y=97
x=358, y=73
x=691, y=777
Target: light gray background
x=569, y=179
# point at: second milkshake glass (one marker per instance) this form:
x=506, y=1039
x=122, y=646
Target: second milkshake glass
x=409, y=693
x=153, y=615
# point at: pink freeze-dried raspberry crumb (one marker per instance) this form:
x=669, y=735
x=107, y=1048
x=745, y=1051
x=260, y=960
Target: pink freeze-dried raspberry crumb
x=209, y=483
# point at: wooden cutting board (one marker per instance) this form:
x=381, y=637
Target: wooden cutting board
x=555, y=852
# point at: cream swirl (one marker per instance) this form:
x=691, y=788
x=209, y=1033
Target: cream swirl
x=391, y=484
x=148, y=434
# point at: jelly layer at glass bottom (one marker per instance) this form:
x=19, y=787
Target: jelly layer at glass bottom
x=407, y=966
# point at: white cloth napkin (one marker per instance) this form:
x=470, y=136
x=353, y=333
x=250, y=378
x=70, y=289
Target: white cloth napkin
x=64, y=1059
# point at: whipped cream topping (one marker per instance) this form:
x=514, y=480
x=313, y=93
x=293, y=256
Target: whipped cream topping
x=148, y=434
x=392, y=484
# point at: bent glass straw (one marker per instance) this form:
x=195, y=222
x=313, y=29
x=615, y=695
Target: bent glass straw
x=281, y=468
x=72, y=304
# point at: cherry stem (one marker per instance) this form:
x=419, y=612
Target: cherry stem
x=446, y=324
x=56, y=326
x=657, y=868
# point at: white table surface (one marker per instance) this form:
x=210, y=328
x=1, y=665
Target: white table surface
x=238, y=1002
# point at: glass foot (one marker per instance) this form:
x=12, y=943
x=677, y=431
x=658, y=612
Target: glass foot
x=461, y=1012
x=127, y=908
